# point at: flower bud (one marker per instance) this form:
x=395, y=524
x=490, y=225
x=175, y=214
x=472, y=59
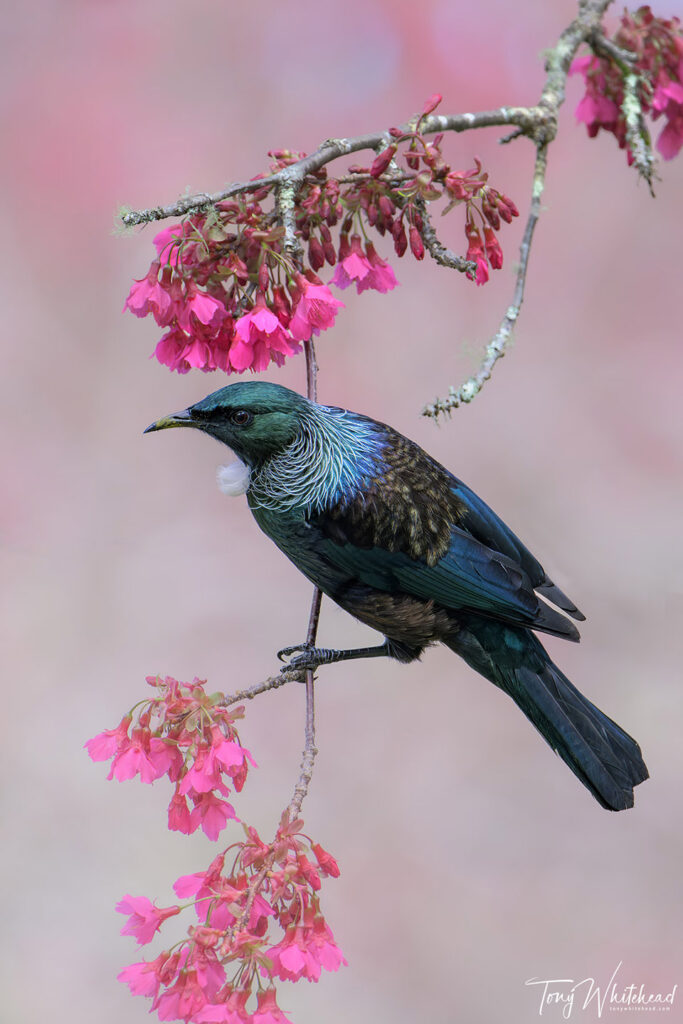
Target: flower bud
x=416, y=244
x=400, y=238
x=382, y=161
x=386, y=206
x=316, y=255
x=432, y=103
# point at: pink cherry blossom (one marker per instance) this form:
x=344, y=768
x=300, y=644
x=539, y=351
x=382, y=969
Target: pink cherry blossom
x=202, y=777
x=134, y=759
x=668, y=100
x=315, y=311
x=291, y=959
x=308, y=872
x=657, y=46
x=191, y=885
x=353, y=265
x=182, y=353
x=231, y=1010
x=229, y=753
x=144, y=978
x=145, y=918
x=183, y=1000
x=152, y=296
x=267, y=1011
x=326, y=950
x=381, y=277
x=306, y=949
x=258, y=322
x=164, y=754
x=198, y=304
x=105, y=744
x=259, y=338
x=179, y=818
x=670, y=139
x=212, y=814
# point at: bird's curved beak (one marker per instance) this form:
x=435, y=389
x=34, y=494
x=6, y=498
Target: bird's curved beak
x=176, y=419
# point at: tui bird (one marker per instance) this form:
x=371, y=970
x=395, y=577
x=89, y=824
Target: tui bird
x=407, y=548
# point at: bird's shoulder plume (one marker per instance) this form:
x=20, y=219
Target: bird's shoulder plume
x=407, y=505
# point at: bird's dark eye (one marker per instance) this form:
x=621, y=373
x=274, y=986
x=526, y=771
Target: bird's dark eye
x=241, y=417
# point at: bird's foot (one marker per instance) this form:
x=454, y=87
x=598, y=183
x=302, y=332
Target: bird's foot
x=309, y=657
x=287, y=651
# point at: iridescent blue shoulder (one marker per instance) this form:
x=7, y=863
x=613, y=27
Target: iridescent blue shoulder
x=405, y=504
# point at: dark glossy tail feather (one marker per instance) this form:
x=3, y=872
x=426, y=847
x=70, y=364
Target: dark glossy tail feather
x=605, y=758
x=552, y=593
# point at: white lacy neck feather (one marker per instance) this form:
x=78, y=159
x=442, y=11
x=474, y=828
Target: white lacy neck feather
x=332, y=454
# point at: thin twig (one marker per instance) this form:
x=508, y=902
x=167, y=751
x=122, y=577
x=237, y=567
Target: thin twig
x=443, y=256
x=287, y=675
x=496, y=348
x=558, y=62
x=311, y=371
x=637, y=135
x=604, y=47
x=310, y=750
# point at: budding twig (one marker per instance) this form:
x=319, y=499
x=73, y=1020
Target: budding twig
x=496, y=348
x=558, y=62
x=529, y=119
x=439, y=253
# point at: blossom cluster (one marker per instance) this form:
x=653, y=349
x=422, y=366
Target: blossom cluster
x=230, y=297
x=257, y=908
x=657, y=44
x=184, y=733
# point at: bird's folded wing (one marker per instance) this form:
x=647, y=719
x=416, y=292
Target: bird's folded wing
x=482, y=522
x=469, y=576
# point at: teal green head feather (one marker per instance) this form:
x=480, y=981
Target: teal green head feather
x=255, y=419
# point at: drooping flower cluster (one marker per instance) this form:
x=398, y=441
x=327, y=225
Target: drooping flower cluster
x=228, y=294
x=658, y=46
x=258, y=916
x=184, y=733
x=219, y=289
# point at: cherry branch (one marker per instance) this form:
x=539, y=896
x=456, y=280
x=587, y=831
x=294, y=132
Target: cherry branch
x=529, y=119
x=538, y=123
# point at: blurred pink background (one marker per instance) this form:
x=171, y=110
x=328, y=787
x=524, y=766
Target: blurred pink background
x=471, y=858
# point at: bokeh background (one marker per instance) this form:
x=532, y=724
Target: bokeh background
x=471, y=858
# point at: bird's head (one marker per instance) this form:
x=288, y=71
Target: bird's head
x=255, y=419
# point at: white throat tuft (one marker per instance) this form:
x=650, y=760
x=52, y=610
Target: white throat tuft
x=233, y=479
